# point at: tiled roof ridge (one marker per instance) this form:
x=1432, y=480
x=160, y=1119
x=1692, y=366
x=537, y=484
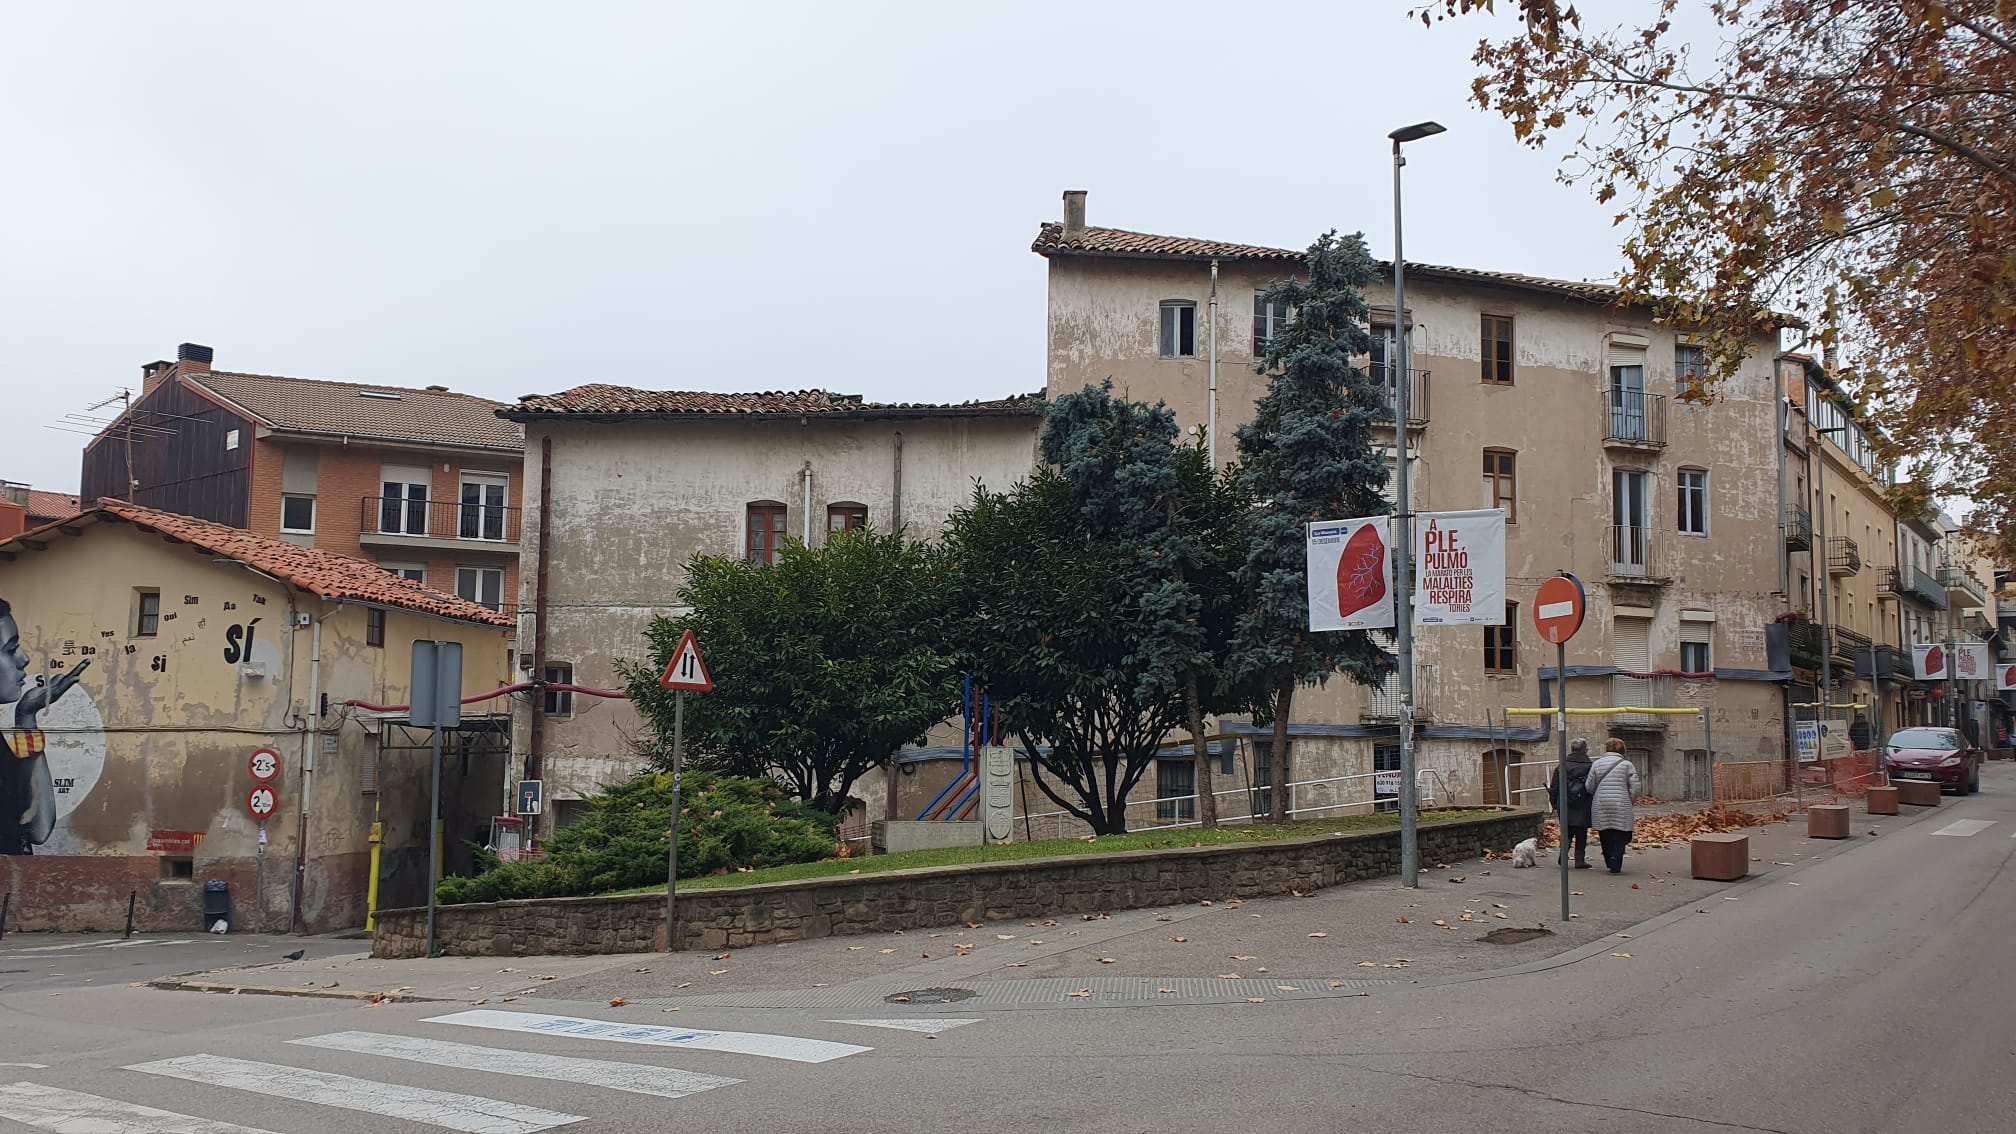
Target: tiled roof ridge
x=382, y=386
x=606, y=399
x=320, y=571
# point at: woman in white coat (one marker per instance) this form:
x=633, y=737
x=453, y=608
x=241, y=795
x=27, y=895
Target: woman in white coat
x=1613, y=792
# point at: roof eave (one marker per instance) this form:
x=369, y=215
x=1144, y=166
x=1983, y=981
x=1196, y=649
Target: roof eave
x=394, y=439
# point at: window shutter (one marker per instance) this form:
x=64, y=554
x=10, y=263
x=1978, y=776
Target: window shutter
x=1631, y=648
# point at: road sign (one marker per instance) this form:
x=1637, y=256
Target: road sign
x=265, y=765
x=262, y=803
x=686, y=670
x=531, y=796
x=1558, y=608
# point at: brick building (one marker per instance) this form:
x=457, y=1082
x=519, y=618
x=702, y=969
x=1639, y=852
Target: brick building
x=426, y=483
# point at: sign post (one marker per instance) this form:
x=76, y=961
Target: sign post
x=437, y=704
x=1557, y=613
x=260, y=803
x=685, y=671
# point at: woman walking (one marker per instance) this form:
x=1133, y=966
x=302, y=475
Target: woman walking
x=1575, y=816
x=1613, y=791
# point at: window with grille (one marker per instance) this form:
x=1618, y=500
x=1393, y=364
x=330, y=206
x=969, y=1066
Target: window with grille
x=1386, y=788
x=1176, y=787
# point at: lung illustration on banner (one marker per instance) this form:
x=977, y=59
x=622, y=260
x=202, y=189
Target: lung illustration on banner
x=1459, y=568
x=1350, y=573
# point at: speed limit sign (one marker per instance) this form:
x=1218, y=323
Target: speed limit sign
x=262, y=803
x=265, y=765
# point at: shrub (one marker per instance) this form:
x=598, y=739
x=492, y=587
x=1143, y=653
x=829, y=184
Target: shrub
x=725, y=823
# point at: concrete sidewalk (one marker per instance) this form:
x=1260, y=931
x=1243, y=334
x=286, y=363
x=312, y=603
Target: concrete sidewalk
x=1374, y=931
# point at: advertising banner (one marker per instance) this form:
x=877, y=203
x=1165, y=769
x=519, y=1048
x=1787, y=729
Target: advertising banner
x=1351, y=574
x=1459, y=575
x=1969, y=661
x=2006, y=677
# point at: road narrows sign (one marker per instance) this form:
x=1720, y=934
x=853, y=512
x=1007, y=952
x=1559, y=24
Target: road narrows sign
x=262, y=803
x=264, y=765
x=1559, y=607
x=686, y=670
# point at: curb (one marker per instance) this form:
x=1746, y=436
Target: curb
x=396, y=996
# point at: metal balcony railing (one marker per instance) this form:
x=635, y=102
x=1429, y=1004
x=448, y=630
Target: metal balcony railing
x=1844, y=556
x=403, y=520
x=1634, y=419
x=1639, y=554
x=1806, y=643
x=1383, y=703
x=1798, y=525
x=1891, y=662
x=1962, y=589
x=1917, y=585
x=1851, y=645
x=1417, y=392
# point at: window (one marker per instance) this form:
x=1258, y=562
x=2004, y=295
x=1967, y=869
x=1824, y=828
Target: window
x=1386, y=788
x=1500, y=487
x=1694, y=502
x=411, y=571
x=483, y=506
x=374, y=626
x=1174, y=779
x=402, y=501
x=1179, y=328
x=766, y=533
x=846, y=517
x=1267, y=319
x=1501, y=643
x=230, y=440
x=1498, y=349
x=1694, y=658
x=1630, y=510
x=1263, y=777
x=559, y=702
x=297, y=513
x=1690, y=369
x=481, y=585
x=146, y=613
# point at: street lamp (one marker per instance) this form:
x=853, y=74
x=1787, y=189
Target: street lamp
x=1403, y=532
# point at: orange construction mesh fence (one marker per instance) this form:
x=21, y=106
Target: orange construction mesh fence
x=1743, y=783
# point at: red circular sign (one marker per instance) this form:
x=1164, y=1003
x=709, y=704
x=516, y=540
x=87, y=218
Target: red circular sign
x=262, y=802
x=264, y=765
x=1558, y=608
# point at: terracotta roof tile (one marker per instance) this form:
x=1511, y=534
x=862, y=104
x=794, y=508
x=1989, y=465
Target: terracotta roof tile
x=390, y=413
x=323, y=573
x=1119, y=242
x=599, y=400
x=51, y=505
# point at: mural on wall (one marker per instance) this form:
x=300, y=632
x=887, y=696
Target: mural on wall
x=43, y=778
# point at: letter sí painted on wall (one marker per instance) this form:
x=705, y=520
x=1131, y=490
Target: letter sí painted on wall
x=52, y=742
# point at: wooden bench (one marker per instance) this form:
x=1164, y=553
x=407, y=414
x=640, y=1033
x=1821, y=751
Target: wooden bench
x=1882, y=801
x=1827, y=821
x=1918, y=793
x=1720, y=858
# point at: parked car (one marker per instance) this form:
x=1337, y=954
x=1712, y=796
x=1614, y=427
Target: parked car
x=1941, y=754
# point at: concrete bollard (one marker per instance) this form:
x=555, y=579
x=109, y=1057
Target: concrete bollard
x=1882, y=801
x=1918, y=793
x=1720, y=858
x=1827, y=821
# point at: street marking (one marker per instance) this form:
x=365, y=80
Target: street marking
x=71, y=1112
x=910, y=1025
x=573, y=1027
x=637, y=1078
x=1555, y=610
x=130, y=944
x=468, y=1113
x=120, y=944
x=1961, y=828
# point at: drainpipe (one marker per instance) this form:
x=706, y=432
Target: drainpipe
x=293, y=612
x=806, y=474
x=1825, y=562
x=311, y=745
x=535, y=745
x=1211, y=410
x=896, y=489
x=1784, y=555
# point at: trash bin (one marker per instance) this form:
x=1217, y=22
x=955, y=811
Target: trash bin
x=216, y=903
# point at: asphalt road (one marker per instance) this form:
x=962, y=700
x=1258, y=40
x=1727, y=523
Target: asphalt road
x=1870, y=991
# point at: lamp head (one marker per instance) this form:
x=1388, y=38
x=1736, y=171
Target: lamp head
x=1417, y=131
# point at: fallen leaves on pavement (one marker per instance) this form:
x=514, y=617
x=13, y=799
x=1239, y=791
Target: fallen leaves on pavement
x=617, y=1002
x=1319, y=935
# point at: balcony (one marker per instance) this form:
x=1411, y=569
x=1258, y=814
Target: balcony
x=1850, y=646
x=1891, y=664
x=1634, y=419
x=1798, y=526
x=1417, y=394
x=1962, y=589
x=1805, y=643
x=1918, y=586
x=389, y=521
x=1639, y=555
x=1382, y=705
x=1844, y=556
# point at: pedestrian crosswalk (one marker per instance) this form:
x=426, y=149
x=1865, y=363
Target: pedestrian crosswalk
x=381, y=1074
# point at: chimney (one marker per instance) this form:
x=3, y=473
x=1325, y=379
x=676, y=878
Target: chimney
x=152, y=374
x=193, y=359
x=1074, y=213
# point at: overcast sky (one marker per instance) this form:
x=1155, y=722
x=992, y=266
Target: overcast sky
x=518, y=198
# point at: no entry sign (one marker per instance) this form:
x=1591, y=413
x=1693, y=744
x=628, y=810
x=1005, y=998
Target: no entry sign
x=1559, y=607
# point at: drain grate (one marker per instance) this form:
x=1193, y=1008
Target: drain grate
x=931, y=996
x=1514, y=934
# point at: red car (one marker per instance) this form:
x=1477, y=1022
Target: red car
x=1940, y=754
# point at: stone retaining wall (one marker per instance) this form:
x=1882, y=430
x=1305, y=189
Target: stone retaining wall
x=938, y=896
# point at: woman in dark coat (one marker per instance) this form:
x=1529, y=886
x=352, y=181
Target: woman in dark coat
x=1575, y=821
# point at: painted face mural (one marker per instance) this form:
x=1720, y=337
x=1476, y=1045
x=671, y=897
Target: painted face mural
x=28, y=789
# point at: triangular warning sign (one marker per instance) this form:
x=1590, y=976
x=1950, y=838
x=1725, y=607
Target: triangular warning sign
x=686, y=670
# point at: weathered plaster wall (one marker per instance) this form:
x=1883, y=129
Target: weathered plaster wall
x=633, y=503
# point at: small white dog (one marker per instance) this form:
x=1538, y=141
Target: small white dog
x=1526, y=853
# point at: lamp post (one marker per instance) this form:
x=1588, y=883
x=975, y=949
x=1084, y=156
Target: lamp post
x=1403, y=530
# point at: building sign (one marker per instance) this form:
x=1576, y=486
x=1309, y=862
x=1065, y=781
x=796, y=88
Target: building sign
x=1350, y=574
x=1459, y=568
x=174, y=842
x=2005, y=677
x=1806, y=740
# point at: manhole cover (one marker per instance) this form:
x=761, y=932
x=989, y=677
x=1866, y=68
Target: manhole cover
x=1504, y=894
x=1514, y=934
x=933, y=995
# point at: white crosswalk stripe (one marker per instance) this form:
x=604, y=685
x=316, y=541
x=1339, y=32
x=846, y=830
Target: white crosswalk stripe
x=468, y=1113
x=1962, y=828
x=794, y=1048
x=636, y=1078
x=926, y=1026
x=73, y=1112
